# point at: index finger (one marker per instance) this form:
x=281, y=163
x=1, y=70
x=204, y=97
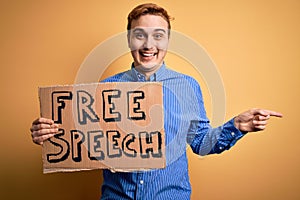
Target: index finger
x=266, y=112
x=42, y=120
x=275, y=114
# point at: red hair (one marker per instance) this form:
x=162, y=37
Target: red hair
x=148, y=8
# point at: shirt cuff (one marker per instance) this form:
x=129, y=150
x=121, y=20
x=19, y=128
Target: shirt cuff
x=231, y=132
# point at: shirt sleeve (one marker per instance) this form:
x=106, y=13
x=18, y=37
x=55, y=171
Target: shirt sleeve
x=204, y=139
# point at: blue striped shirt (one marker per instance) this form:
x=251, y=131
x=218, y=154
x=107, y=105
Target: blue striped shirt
x=185, y=121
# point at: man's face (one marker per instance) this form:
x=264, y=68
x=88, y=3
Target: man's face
x=148, y=41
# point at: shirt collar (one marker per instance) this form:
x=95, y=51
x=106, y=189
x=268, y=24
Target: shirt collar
x=157, y=76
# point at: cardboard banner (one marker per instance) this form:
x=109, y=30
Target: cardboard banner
x=117, y=126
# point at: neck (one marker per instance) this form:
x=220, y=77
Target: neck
x=148, y=73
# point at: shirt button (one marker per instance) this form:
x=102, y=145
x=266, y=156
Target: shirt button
x=220, y=148
x=232, y=133
x=141, y=182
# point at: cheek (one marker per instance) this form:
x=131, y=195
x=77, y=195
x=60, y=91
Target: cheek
x=135, y=44
x=162, y=54
x=163, y=45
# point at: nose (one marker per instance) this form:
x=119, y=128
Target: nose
x=149, y=43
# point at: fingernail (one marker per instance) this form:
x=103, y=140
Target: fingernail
x=54, y=126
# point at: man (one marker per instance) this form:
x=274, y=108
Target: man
x=184, y=115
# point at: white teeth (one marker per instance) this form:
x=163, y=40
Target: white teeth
x=148, y=54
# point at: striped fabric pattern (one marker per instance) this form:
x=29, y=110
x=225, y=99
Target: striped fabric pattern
x=185, y=122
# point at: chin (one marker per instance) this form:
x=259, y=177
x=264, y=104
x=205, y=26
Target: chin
x=149, y=66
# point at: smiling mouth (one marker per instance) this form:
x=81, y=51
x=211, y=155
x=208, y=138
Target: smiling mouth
x=147, y=54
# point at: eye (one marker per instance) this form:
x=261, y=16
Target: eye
x=158, y=36
x=139, y=35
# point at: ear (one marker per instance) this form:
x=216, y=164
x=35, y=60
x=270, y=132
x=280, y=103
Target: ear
x=128, y=39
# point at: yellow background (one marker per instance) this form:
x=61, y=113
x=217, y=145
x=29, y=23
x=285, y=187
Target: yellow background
x=255, y=44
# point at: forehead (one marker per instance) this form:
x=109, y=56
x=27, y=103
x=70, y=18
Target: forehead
x=149, y=21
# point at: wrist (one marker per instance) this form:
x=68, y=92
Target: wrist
x=238, y=125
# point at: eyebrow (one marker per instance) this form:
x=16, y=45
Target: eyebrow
x=160, y=29
x=155, y=30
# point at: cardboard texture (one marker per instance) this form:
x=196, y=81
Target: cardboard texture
x=117, y=126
